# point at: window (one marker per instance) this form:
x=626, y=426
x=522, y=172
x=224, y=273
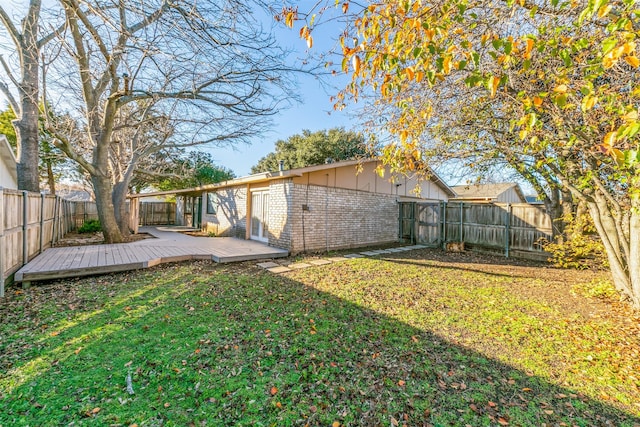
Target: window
x=212, y=203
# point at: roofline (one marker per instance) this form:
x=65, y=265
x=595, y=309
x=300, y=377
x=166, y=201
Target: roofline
x=250, y=179
x=488, y=198
x=290, y=173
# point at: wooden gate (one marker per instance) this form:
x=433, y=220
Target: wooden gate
x=420, y=223
x=428, y=224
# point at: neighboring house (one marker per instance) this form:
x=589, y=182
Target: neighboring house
x=8, y=165
x=533, y=200
x=315, y=208
x=507, y=192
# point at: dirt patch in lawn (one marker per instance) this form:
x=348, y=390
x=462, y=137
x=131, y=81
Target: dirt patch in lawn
x=82, y=239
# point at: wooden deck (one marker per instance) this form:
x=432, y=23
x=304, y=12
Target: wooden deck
x=167, y=246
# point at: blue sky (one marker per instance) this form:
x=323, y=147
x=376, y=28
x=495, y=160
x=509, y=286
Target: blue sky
x=314, y=112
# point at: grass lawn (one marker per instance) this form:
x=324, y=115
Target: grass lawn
x=420, y=338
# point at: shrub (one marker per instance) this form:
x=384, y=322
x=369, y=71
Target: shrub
x=90, y=226
x=579, y=248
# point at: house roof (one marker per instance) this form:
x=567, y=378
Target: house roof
x=7, y=156
x=270, y=176
x=485, y=191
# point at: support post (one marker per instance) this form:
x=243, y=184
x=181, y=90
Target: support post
x=461, y=221
x=54, y=225
x=507, y=231
x=25, y=230
x=2, y=248
x=41, y=239
x=25, y=227
x=443, y=234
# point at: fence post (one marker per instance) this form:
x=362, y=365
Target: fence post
x=25, y=227
x=41, y=222
x=461, y=221
x=54, y=225
x=443, y=232
x=507, y=231
x=2, y=208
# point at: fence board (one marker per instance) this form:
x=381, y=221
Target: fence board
x=493, y=226
x=48, y=219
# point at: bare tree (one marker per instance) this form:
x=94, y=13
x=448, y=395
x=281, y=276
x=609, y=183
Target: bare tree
x=155, y=75
x=20, y=84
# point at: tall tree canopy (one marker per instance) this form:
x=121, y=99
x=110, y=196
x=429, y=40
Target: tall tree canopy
x=20, y=83
x=550, y=87
x=314, y=148
x=145, y=77
x=192, y=169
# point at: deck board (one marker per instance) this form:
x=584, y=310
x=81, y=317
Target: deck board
x=168, y=246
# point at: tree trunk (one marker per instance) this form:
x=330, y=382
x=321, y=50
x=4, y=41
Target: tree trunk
x=50, y=178
x=623, y=251
x=27, y=134
x=26, y=126
x=634, y=250
x=119, y=203
x=558, y=205
x=106, y=212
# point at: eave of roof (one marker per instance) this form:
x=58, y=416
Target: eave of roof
x=270, y=176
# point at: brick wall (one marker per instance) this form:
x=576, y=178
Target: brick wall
x=340, y=218
x=231, y=216
x=280, y=207
x=336, y=218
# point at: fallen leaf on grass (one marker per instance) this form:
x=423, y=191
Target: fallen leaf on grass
x=503, y=422
x=274, y=390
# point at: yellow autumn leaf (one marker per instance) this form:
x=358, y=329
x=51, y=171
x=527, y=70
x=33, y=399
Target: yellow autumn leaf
x=288, y=20
x=523, y=134
x=633, y=61
x=356, y=63
x=604, y=11
x=419, y=76
x=588, y=102
x=409, y=72
x=309, y=42
x=493, y=85
x=429, y=34
x=628, y=47
x=609, y=139
x=446, y=65
x=561, y=88
x=630, y=116
x=608, y=62
x=528, y=49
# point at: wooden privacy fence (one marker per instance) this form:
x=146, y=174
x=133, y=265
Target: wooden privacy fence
x=30, y=223
x=157, y=213
x=513, y=229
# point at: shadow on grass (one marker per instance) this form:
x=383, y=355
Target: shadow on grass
x=223, y=347
x=468, y=261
